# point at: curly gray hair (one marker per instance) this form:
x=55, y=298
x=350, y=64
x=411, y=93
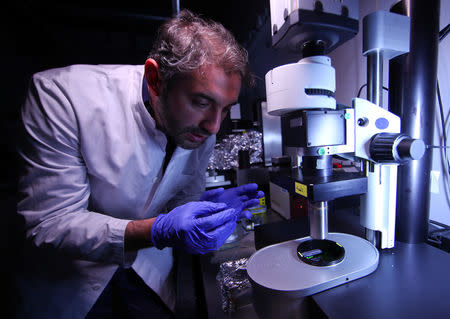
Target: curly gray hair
x=188, y=42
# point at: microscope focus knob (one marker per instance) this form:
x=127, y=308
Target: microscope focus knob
x=395, y=148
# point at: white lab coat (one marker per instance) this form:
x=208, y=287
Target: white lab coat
x=94, y=162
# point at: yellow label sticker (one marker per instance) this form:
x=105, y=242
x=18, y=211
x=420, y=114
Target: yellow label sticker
x=262, y=201
x=301, y=189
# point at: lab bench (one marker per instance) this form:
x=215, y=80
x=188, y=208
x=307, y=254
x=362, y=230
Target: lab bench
x=411, y=281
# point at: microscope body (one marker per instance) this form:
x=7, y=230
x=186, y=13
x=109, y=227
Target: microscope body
x=315, y=128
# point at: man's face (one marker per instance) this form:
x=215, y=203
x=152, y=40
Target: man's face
x=195, y=106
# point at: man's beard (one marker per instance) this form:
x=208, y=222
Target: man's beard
x=181, y=139
x=180, y=136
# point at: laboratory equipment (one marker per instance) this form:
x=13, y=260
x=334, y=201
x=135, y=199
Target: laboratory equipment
x=315, y=128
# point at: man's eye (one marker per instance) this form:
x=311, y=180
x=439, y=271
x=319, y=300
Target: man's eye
x=201, y=104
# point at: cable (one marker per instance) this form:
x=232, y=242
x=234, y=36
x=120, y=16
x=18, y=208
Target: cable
x=439, y=224
x=444, y=32
x=360, y=89
x=435, y=236
x=444, y=146
x=444, y=133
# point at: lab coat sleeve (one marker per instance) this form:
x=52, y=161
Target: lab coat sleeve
x=54, y=187
x=197, y=181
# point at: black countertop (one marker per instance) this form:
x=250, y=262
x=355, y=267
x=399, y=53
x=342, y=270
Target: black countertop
x=411, y=281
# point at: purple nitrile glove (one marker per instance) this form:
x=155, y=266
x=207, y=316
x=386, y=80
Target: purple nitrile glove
x=195, y=227
x=240, y=198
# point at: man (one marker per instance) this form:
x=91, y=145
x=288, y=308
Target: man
x=114, y=166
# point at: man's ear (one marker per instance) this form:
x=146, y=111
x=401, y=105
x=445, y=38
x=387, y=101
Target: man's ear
x=152, y=76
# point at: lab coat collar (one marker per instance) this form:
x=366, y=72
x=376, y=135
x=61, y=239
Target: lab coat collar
x=148, y=116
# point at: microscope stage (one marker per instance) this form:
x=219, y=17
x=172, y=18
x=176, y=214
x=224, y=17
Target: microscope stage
x=318, y=188
x=278, y=268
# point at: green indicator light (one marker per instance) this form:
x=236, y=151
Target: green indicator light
x=321, y=151
x=347, y=116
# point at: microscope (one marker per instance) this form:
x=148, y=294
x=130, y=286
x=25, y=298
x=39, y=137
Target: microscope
x=314, y=130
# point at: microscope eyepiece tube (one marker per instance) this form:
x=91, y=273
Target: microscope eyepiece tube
x=318, y=220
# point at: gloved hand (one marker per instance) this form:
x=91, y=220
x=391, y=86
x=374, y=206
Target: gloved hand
x=195, y=227
x=239, y=198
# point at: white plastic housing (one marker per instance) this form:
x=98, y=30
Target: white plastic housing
x=286, y=84
x=386, y=32
x=378, y=205
x=371, y=113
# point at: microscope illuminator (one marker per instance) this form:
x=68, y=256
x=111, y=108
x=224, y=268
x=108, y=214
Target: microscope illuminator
x=307, y=84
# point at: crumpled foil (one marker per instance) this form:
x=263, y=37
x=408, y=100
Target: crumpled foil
x=235, y=288
x=225, y=155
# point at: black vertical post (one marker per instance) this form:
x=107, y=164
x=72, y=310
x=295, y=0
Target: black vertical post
x=413, y=97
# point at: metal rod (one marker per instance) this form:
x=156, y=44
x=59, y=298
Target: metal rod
x=175, y=7
x=375, y=78
x=416, y=107
x=374, y=95
x=374, y=237
x=318, y=220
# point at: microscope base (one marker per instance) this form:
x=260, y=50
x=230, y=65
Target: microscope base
x=281, y=280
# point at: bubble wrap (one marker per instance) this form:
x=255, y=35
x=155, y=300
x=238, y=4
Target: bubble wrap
x=225, y=155
x=235, y=288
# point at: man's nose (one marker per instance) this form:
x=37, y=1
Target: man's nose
x=212, y=121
